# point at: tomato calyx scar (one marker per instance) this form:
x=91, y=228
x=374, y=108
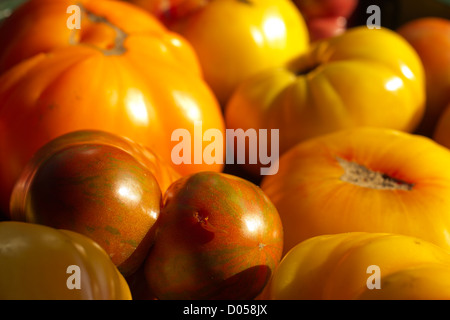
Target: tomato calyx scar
x=361, y=176
x=99, y=33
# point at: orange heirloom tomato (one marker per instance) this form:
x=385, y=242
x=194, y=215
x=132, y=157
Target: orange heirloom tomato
x=36, y=264
x=361, y=265
x=363, y=179
x=361, y=78
x=430, y=37
x=97, y=184
x=235, y=38
x=122, y=72
x=442, y=132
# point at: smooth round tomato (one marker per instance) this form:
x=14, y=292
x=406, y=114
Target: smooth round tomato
x=363, y=179
x=96, y=184
x=218, y=237
x=430, y=37
x=361, y=78
x=130, y=77
x=360, y=265
x=42, y=263
x=235, y=39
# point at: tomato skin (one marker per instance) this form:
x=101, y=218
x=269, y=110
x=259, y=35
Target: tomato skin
x=335, y=267
x=218, y=237
x=97, y=184
x=35, y=260
x=317, y=192
x=442, y=131
x=338, y=84
x=263, y=34
x=144, y=88
x=430, y=37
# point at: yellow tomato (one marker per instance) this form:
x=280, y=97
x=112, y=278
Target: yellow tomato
x=42, y=263
x=361, y=78
x=364, y=179
x=362, y=265
x=238, y=38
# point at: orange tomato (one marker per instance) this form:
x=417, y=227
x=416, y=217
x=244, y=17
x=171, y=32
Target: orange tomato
x=35, y=263
x=363, y=179
x=430, y=37
x=442, y=131
x=127, y=76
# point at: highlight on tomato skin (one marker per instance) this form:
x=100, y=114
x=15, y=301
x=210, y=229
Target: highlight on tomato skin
x=263, y=34
x=218, y=237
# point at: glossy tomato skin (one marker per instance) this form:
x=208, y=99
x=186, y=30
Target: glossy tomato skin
x=326, y=18
x=335, y=267
x=364, y=179
x=218, y=237
x=128, y=76
x=442, y=130
x=84, y=182
x=430, y=37
x=237, y=38
x=35, y=260
x=361, y=78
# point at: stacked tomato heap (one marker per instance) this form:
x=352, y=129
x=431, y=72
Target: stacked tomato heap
x=89, y=185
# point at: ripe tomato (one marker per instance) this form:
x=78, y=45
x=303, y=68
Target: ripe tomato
x=359, y=265
x=35, y=263
x=99, y=185
x=218, y=237
x=235, y=38
x=364, y=179
x=129, y=76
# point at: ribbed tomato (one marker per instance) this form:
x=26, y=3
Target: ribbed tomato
x=37, y=261
x=365, y=179
x=128, y=76
x=359, y=265
x=360, y=78
x=235, y=39
x=99, y=185
x=218, y=237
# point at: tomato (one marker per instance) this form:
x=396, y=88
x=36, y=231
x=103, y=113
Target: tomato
x=36, y=263
x=131, y=77
x=218, y=237
x=364, y=179
x=236, y=38
x=430, y=37
x=361, y=78
x=326, y=18
x=359, y=265
x=442, y=131
x=96, y=184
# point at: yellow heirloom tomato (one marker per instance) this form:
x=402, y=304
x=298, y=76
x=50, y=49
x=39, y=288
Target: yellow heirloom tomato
x=363, y=179
x=235, y=38
x=361, y=265
x=361, y=78
x=41, y=263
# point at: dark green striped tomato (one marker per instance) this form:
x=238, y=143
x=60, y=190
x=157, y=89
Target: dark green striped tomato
x=95, y=188
x=218, y=237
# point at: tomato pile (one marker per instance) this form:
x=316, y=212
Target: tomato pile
x=118, y=180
